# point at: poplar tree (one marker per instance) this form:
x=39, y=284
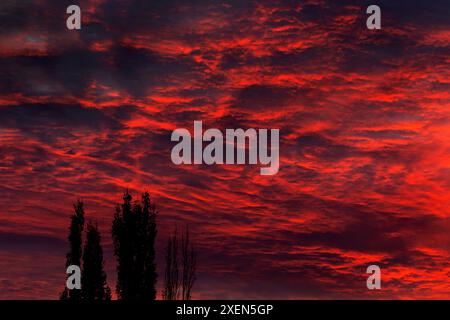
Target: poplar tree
x=73, y=257
x=134, y=234
x=93, y=276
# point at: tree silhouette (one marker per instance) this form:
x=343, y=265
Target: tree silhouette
x=134, y=234
x=73, y=257
x=171, y=275
x=93, y=276
x=123, y=247
x=147, y=255
x=189, y=262
x=176, y=285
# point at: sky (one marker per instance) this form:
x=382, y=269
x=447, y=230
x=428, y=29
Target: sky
x=364, y=124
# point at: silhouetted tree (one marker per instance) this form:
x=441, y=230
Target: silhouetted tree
x=93, y=276
x=123, y=247
x=73, y=257
x=189, y=263
x=147, y=255
x=178, y=284
x=171, y=274
x=134, y=234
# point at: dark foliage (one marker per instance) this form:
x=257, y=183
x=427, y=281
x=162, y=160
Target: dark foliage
x=134, y=233
x=93, y=276
x=73, y=257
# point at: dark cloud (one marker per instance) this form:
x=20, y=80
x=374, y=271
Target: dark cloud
x=55, y=117
x=324, y=148
x=264, y=97
x=21, y=242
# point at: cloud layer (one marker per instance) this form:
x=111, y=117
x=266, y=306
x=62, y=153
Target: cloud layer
x=364, y=124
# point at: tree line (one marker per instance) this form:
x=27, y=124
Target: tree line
x=134, y=231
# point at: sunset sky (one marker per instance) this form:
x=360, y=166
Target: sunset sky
x=364, y=120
